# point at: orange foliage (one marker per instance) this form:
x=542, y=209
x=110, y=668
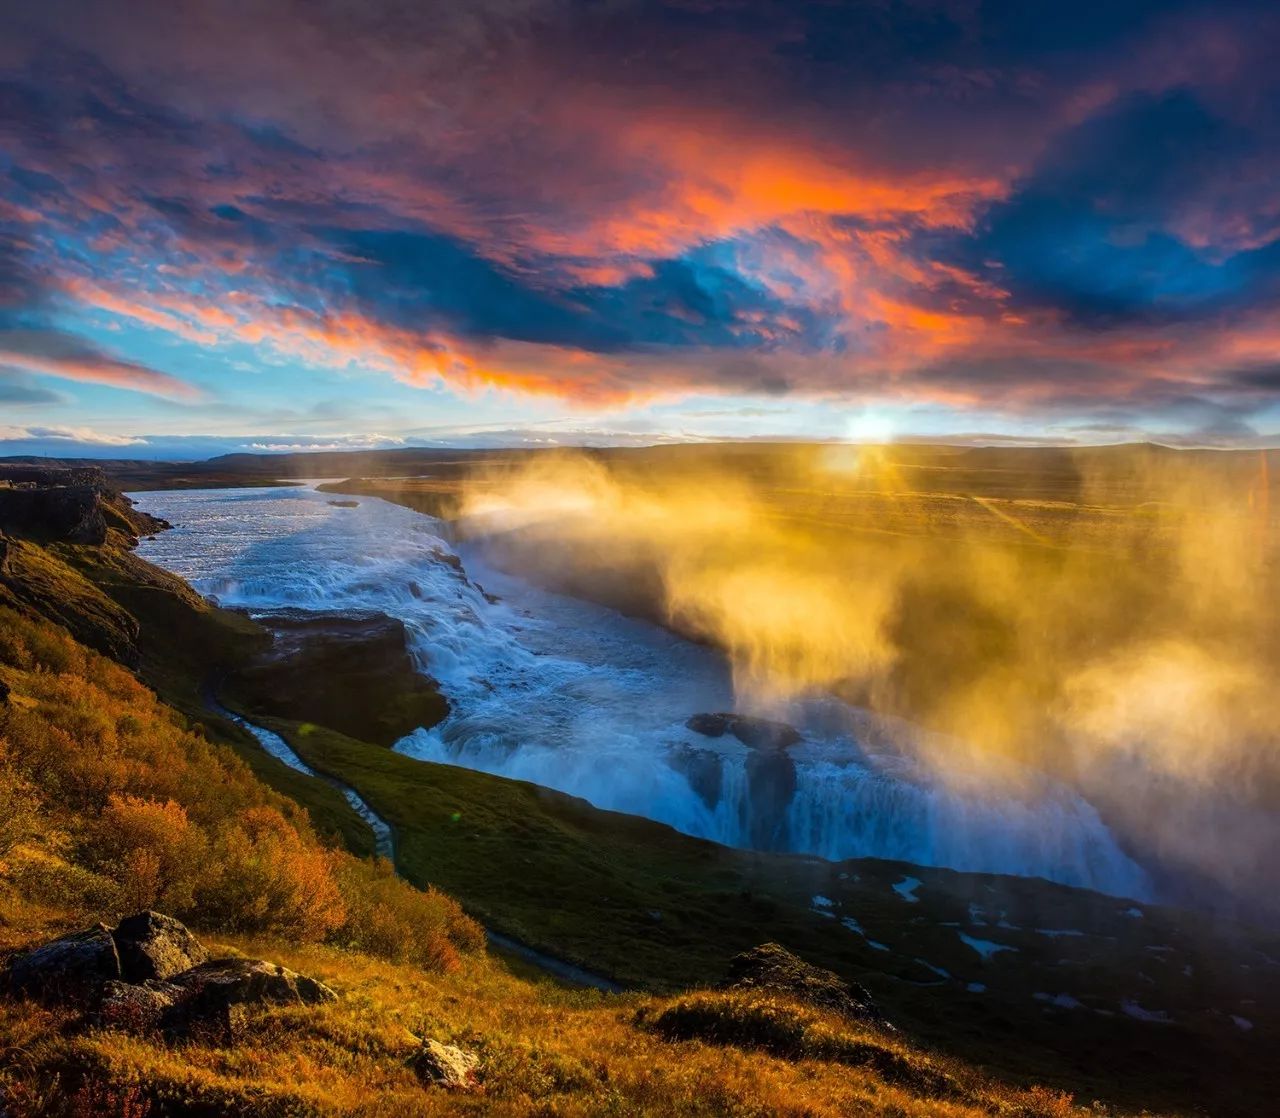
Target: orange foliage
x=137, y=809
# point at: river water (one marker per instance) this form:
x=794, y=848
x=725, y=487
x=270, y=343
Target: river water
x=573, y=696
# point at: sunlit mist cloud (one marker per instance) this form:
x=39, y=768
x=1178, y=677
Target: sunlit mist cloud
x=1071, y=222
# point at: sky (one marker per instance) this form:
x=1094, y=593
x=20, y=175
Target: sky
x=287, y=224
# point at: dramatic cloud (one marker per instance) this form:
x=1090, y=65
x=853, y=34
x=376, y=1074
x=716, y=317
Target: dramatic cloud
x=1071, y=216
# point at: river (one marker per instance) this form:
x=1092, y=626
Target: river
x=573, y=696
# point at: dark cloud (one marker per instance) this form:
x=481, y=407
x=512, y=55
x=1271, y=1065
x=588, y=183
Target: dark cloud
x=993, y=204
x=18, y=390
x=1098, y=230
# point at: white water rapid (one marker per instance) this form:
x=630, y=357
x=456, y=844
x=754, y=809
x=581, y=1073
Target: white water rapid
x=575, y=697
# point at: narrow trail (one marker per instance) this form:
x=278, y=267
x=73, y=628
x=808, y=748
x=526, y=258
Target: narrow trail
x=384, y=844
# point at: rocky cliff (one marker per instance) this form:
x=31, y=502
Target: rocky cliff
x=75, y=505
x=53, y=520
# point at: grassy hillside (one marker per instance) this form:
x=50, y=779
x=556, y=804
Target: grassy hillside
x=113, y=800
x=544, y=1050
x=120, y=798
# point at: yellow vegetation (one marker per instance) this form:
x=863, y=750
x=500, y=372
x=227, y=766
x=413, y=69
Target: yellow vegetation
x=112, y=802
x=116, y=804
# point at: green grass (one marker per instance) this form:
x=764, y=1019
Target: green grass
x=653, y=908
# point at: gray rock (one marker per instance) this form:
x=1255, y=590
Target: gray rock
x=703, y=768
x=253, y=981
x=154, y=946
x=445, y=1065
x=211, y=1002
x=151, y=973
x=72, y=967
x=139, y=1007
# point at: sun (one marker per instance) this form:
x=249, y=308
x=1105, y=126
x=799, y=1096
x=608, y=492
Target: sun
x=870, y=426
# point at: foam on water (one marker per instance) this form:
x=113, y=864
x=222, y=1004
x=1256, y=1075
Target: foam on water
x=575, y=697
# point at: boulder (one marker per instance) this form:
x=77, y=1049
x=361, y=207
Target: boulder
x=772, y=968
x=139, y=1007
x=154, y=946
x=70, y=968
x=209, y=1002
x=445, y=1065
x=151, y=973
x=755, y=733
x=251, y=982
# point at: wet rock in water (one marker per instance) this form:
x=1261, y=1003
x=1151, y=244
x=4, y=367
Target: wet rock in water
x=445, y=1065
x=772, y=968
x=345, y=504
x=755, y=733
x=703, y=768
x=70, y=968
x=771, y=774
x=154, y=946
x=448, y=558
x=771, y=786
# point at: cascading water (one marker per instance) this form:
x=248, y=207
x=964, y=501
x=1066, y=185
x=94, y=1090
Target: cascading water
x=572, y=696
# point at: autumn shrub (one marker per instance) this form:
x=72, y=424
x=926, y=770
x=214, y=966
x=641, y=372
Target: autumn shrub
x=51, y=880
x=153, y=850
x=270, y=878
x=14, y=652
x=1046, y=1102
x=390, y=918
x=19, y=805
x=132, y=808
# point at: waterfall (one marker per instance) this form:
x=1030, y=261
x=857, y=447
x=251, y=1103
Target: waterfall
x=575, y=697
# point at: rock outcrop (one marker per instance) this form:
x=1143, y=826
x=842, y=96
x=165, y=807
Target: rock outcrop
x=771, y=773
x=755, y=733
x=702, y=768
x=445, y=1065
x=154, y=946
x=71, y=968
x=351, y=674
x=772, y=968
x=68, y=514
x=67, y=505
x=151, y=973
